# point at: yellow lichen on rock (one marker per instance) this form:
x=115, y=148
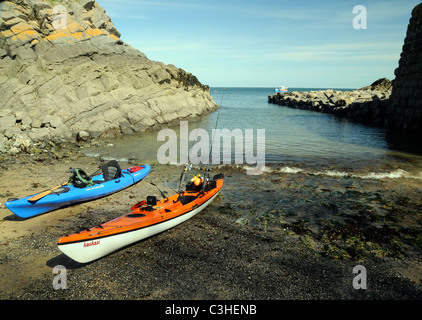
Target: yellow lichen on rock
x=6, y=33
x=78, y=35
x=56, y=36
x=31, y=34
x=112, y=36
x=20, y=27
x=94, y=32
x=74, y=27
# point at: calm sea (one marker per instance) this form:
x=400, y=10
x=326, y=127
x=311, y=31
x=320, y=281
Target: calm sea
x=295, y=140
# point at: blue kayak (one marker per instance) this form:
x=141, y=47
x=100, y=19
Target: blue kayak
x=70, y=194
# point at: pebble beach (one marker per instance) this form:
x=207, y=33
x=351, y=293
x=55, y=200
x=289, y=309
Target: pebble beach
x=275, y=236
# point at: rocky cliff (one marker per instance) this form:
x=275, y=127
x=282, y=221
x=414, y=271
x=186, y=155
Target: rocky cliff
x=405, y=109
x=66, y=74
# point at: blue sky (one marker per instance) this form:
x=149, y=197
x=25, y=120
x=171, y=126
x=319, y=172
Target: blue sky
x=263, y=43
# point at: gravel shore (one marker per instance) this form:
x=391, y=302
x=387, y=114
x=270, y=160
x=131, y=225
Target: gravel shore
x=284, y=236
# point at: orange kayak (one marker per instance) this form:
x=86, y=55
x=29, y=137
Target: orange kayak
x=146, y=219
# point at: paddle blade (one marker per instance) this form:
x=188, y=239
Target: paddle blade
x=43, y=194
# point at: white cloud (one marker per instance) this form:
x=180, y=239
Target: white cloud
x=339, y=52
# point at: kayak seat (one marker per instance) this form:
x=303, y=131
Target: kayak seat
x=211, y=185
x=151, y=202
x=191, y=187
x=186, y=199
x=111, y=170
x=218, y=176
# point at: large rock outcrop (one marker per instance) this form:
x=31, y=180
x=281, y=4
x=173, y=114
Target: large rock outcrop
x=405, y=109
x=80, y=77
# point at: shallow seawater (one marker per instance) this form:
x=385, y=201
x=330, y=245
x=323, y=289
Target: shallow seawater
x=296, y=141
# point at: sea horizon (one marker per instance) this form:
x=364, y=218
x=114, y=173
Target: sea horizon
x=272, y=87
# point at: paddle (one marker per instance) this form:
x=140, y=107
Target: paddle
x=47, y=192
x=43, y=194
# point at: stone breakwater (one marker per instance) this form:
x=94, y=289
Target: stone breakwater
x=368, y=103
x=82, y=81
